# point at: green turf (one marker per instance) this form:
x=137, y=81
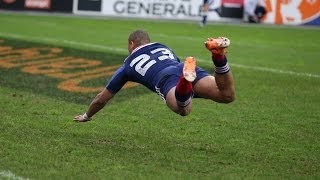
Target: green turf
x=271, y=131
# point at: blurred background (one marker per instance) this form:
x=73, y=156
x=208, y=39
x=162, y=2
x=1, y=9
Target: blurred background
x=288, y=12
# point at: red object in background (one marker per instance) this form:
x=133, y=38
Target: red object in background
x=232, y=8
x=232, y=3
x=37, y=4
x=9, y=1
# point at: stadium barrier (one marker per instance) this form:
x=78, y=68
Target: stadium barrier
x=289, y=12
x=230, y=10
x=37, y=5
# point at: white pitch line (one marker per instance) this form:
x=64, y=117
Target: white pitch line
x=10, y=175
x=102, y=47
x=264, y=69
x=59, y=41
x=275, y=70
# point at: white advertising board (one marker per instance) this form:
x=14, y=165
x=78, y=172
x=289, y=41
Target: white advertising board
x=296, y=12
x=167, y=9
x=155, y=9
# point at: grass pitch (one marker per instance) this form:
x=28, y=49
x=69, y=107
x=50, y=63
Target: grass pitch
x=270, y=131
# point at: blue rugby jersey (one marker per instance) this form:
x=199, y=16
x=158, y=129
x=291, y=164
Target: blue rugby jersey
x=143, y=66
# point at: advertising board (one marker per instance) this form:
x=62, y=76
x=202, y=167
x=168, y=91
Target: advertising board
x=293, y=12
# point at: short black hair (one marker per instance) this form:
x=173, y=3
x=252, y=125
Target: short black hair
x=139, y=37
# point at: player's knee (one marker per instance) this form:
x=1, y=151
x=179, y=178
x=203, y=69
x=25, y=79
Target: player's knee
x=184, y=112
x=228, y=98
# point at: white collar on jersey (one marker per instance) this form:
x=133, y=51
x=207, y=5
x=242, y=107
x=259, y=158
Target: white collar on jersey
x=139, y=47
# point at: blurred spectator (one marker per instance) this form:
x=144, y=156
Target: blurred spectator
x=254, y=10
x=204, y=12
x=207, y=6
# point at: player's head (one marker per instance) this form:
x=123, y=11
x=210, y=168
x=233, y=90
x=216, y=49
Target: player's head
x=136, y=39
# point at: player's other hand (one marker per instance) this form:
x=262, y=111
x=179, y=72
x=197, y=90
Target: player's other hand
x=81, y=118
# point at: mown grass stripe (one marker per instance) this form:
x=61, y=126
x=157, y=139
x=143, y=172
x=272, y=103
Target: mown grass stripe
x=122, y=50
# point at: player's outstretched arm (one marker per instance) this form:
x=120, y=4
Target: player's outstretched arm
x=96, y=105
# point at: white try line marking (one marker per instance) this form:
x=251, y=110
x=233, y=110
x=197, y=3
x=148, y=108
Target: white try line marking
x=10, y=175
x=101, y=47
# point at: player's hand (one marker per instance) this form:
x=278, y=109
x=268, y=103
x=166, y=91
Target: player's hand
x=82, y=118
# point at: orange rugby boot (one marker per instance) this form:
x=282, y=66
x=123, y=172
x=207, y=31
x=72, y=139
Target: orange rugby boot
x=189, y=69
x=218, y=46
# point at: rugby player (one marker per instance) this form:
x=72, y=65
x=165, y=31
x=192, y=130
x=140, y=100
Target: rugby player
x=158, y=68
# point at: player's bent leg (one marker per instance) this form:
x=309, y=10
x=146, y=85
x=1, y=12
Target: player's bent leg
x=207, y=88
x=179, y=97
x=173, y=105
x=219, y=88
